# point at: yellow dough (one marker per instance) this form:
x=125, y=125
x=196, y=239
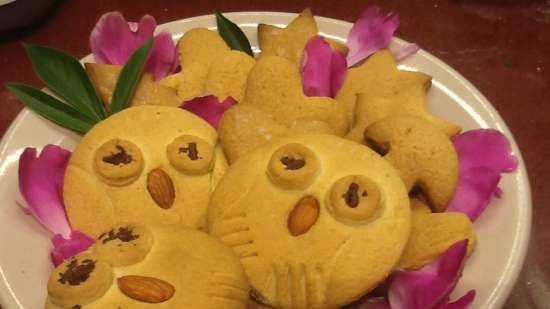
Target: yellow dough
x=139, y=267
x=136, y=166
x=316, y=220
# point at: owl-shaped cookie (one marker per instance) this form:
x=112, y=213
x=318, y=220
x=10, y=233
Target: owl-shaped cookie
x=146, y=164
x=317, y=220
x=157, y=266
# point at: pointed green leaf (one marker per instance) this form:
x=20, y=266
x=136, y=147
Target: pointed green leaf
x=232, y=34
x=51, y=108
x=66, y=77
x=129, y=77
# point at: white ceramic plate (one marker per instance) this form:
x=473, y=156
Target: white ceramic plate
x=503, y=230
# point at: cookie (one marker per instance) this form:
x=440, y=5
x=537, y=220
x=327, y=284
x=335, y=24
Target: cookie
x=316, y=220
x=198, y=48
x=274, y=91
x=377, y=89
x=433, y=233
x=146, y=164
x=148, y=92
x=288, y=42
x=228, y=74
x=424, y=156
x=135, y=266
x=252, y=304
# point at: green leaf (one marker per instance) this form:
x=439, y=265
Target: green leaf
x=232, y=34
x=129, y=77
x=51, y=108
x=66, y=77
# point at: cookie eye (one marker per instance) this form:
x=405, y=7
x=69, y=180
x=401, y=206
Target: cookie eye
x=118, y=162
x=191, y=155
x=79, y=281
x=124, y=245
x=354, y=198
x=293, y=166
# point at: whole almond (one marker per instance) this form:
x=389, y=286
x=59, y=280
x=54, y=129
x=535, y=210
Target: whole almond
x=146, y=289
x=303, y=216
x=161, y=188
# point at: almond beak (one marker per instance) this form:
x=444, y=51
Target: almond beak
x=161, y=188
x=146, y=289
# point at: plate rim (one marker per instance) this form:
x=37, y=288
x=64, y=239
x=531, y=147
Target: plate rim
x=518, y=252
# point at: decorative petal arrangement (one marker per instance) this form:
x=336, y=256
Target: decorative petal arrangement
x=209, y=108
x=41, y=184
x=323, y=70
x=483, y=156
x=113, y=41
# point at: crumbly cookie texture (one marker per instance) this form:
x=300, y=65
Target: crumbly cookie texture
x=274, y=105
x=145, y=164
x=316, y=220
x=148, y=92
x=433, y=233
x=209, y=67
x=424, y=156
x=377, y=89
x=156, y=266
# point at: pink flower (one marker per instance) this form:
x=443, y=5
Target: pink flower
x=402, y=52
x=66, y=248
x=430, y=286
x=323, y=70
x=370, y=33
x=209, y=108
x=41, y=184
x=113, y=40
x=483, y=156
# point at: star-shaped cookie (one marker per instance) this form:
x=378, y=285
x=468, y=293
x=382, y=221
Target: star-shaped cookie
x=377, y=89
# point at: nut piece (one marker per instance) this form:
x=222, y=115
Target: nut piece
x=303, y=216
x=146, y=289
x=161, y=188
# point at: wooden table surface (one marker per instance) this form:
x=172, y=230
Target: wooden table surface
x=501, y=46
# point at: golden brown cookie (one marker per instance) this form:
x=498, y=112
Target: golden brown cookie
x=146, y=164
x=433, y=233
x=288, y=42
x=424, y=156
x=138, y=267
x=316, y=220
x=228, y=74
x=274, y=92
x=377, y=89
x=198, y=48
x=148, y=92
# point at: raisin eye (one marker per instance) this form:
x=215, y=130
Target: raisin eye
x=354, y=198
x=118, y=162
x=79, y=281
x=124, y=245
x=191, y=155
x=293, y=166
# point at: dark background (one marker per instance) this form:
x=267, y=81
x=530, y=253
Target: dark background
x=502, y=47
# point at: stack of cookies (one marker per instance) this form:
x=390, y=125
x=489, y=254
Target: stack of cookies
x=295, y=202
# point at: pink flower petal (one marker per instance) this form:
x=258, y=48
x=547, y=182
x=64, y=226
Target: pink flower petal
x=209, y=108
x=462, y=303
x=41, y=184
x=485, y=148
x=430, y=286
x=370, y=33
x=402, y=52
x=338, y=72
x=113, y=40
x=66, y=248
x=323, y=70
x=483, y=155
